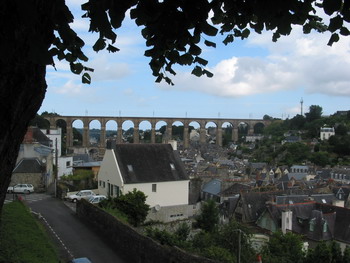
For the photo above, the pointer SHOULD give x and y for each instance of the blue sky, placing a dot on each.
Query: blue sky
(251, 78)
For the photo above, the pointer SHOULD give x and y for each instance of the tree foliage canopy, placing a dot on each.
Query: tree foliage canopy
(174, 30)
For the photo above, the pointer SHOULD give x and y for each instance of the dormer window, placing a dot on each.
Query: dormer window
(325, 226)
(130, 169)
(172, 166)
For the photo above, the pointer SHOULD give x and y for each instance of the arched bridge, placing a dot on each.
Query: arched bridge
(153, 121)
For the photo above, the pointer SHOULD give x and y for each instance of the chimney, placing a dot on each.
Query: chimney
(286, 221)
(173, 144)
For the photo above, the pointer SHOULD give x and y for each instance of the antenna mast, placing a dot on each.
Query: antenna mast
(301, 106)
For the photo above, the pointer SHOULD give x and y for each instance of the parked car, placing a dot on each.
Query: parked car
(85, 194)
(96, 199)
(21, 188)
(80, 260)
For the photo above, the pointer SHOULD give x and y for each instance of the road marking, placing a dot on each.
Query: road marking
(55, 234)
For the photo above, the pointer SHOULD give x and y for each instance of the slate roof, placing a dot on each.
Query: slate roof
(323, 174)
(88, 164)
(213, 187)
(30, 165)
(34, 134)
(82, 158)
(342, 222)
(236, 188)
(145, 163)
(304, 214)
(293, 199)
(254, 203)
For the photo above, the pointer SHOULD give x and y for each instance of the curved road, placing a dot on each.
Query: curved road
(76, 238)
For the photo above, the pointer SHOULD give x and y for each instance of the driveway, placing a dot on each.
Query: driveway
(75, 238)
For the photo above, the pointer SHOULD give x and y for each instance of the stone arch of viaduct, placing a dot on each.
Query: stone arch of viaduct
(153, 120)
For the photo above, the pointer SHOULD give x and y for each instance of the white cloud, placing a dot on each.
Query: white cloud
(293, 62)
(69, 88)
(106, 70)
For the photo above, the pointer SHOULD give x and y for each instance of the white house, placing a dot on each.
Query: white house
(326, 132)
(65, 163)
(154, 169)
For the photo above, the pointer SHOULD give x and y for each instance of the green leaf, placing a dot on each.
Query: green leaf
(334, 38)
(208, 73)
(331, 6)
(89, 69)
(201, 61)
(245, 33)
(82, 56)
(86, 79)
(112, 49)
(76, 68)
(159, 78)
(197, 71)
(185, 59)
(228, 39)
(195, 50)
(70, 58)
(344, 31)
(335, 23)
(209, 29)
(53, 51)
(209, 43)
(99, 45)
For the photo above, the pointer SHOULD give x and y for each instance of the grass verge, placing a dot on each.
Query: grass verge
(23, 238)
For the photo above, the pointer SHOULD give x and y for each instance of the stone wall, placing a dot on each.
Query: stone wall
(36, 179)
(131, 245)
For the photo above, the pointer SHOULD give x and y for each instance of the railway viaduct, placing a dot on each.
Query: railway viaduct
(153, 121)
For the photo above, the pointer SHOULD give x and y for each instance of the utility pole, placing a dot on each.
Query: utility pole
(239, 247)
(56, 163)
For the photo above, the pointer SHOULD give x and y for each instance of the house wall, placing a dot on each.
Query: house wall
(54, 134)
(266, 222)
(167, 193)
(173, 213)
(65, 166)
(109, 174)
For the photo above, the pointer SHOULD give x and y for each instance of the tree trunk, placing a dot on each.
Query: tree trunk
(22, 76)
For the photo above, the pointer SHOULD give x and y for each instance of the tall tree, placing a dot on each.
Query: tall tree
(34, 31)
(209, 216)
(315, 112)
(284, 248)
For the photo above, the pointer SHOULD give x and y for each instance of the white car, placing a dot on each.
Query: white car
(21, 188)
(85, 194)
(96, 199)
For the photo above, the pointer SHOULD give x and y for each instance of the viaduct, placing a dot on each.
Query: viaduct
(153, 121)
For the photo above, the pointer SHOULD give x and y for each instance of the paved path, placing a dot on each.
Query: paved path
(75, 238)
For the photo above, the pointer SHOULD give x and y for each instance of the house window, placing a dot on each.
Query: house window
(154, 187)
(325, 225)
(100, 182)
(68, 164)
(130, 169)
(116, 190)
(312, 224)
(112, 188)
(172, 166)
(104, 184)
